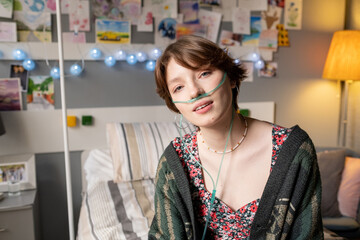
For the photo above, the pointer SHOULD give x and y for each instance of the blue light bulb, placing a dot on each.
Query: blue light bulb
(141, 56)
(28, 64)
(110, 61)
(95, 53)
(259, 64)
(120, 55)
(155, 53)
(150, 65)
(237, 61)
(19, 54)
(55, 73)
(75, 69)
(255, 57)
(131, 59)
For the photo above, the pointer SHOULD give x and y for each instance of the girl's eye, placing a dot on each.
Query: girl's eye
(205, 74)
(178, 88)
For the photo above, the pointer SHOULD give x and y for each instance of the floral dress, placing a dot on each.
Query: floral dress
(224, 223)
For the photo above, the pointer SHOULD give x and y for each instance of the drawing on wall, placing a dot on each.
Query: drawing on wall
(112, 31)
(293, 14)
(10, 94)
(279, 3)
(163, 8)
(38, 6)
(8, 32)
(268, 39)
(269, 70)
(40, 95)
(33, 27)
(190, 29)
(241, 20)
(212, 22)
(117, 10)
(18, 71)
(146, 23)
(229, 39)
(6, 8)
(255, 29)
(271, 17)
(190, 11)
(74, 38)
(79, 16)
(283, 36)
(165, 31)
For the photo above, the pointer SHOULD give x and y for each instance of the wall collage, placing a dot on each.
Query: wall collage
(260, 24)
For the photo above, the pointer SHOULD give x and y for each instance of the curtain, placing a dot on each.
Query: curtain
(353, 126)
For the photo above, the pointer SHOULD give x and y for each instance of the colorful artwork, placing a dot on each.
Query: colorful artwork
(253, 38)
(210, 2)
(269, 70)
(253, 5)
(241, 20)
(145, 23)
(10, 94)
(37, 6)
(128, 10)
(190, 11)
(8, 32)
(269, 39)
(6, 8)
(190, 29)
(74, 38)
(271, 17)
(40, 95)
(293, 14)
(165, 31)
(18, 71)
(283, 36)
(163, 8)
(79, 16)
(19, 168)
(229, 39)
(112, 31)
(212, 22)
(33, 27)
(279, 3)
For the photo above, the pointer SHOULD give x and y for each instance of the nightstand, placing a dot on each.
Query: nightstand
(18, 216)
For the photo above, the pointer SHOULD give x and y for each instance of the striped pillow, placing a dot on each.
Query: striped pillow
(120, 211)
(137, 147)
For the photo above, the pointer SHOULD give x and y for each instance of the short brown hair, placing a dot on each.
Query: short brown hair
(195, 52)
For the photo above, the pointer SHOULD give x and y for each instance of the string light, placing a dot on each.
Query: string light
(76, 69)
(110, 61)
(55, 72)
(28, 64)
(19, 54)
(259, 64)
(95, 53)
(150, 65)
(141, 56)
(131, 59)
(120, 55)
(155, 53)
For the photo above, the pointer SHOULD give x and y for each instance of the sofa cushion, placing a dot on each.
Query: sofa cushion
(349, 190)
(331, 165)
(341, 224)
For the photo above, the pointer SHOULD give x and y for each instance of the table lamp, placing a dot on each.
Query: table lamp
(343, 64)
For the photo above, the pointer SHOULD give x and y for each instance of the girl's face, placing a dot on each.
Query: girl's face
(185, 84)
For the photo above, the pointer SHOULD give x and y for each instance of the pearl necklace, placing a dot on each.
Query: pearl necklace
(233, 148)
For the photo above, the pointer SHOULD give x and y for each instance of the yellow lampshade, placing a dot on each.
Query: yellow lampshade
(343, 59)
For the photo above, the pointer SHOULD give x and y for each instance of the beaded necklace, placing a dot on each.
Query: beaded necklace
(231, 149)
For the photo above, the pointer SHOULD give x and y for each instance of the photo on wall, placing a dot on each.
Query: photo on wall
(6, 8)
(40, 95)
(18, 71)
(10, 94)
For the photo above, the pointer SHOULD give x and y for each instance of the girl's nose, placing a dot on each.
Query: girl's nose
(195, 90)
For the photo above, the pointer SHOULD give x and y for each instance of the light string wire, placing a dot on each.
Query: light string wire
(218, 175)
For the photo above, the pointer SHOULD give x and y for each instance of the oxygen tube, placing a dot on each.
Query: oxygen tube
(197, 162)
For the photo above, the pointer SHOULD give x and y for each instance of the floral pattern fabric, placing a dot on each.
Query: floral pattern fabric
(225, 223)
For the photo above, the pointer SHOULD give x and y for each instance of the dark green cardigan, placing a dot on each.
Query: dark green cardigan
(289, 207)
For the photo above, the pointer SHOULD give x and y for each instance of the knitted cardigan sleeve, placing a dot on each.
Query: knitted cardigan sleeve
(170, 221)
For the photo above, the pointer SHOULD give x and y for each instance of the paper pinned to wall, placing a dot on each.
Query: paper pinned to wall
(271, 17)
(241, 20)
(212, 22)
(253, 38)
(79, 15)
(269, 39)
(163, 8)
(165, 31)
(293, 14)
(225, 9)
(40, 94)
(269, 70)
(8, 32)
(253, 5)
(6, 8)
(146, 21)
(249, 66)
(190, 10)
(10, 94)
(71, 37)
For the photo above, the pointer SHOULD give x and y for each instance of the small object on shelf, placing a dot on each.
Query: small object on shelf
(71, 121)
(87, 120)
